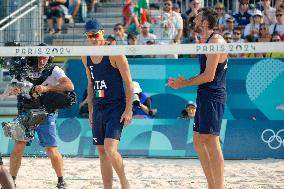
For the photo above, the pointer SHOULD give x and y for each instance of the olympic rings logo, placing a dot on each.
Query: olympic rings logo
(132, 50)
(274, 141)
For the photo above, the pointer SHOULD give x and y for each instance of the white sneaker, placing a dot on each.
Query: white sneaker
(71, 22)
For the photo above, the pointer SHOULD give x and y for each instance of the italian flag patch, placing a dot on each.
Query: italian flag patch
(100, 93)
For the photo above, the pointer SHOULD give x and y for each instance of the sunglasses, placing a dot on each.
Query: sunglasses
(279, 14)
(190, 109)
(117, 29)
(94, 35)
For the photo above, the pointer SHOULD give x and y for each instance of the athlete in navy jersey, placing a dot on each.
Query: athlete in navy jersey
(110, 106)
(211, 98)
(106, 82)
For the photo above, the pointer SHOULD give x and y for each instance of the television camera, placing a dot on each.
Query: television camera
(33, 108)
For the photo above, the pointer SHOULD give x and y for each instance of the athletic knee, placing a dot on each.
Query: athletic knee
(110, 150)
(205, 139)
(101, 150)
(53, 153)
(198, 141)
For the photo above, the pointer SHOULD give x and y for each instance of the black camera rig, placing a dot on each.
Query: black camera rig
(33, 108)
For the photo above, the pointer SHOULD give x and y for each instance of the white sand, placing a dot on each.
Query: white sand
(147, 173)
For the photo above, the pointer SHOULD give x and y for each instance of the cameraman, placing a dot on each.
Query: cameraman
(5, 178)
(56, 81)
(141, 103)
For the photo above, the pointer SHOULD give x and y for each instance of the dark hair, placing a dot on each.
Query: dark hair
(42, 44)
(184, 113)
(244, 1)
(279, 10)
(154, 6)
(50, 58)
(210, 15)
(227, 33)
(251, 38)
(110, 37)
(275, 34)
(150, 42)
(237, 28)
(118, 24)
(131, 36)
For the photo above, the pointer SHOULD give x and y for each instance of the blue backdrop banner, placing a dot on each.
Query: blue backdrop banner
(252, 127)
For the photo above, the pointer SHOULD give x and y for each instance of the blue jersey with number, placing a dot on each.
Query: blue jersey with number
(216, 89)
(106, 81)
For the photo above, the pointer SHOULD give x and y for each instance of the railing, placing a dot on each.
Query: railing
(23, 25)
(9, 6)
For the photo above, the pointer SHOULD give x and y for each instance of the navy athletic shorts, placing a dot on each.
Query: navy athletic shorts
(208, 116)
(106, 122)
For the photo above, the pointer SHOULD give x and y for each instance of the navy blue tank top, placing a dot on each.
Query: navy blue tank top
(107, 82)
(216, 89)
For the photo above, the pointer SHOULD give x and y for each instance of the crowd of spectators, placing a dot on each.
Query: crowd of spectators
(166, 24)
(57, 11)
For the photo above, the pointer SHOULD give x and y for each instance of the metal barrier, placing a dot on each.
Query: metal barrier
(23, 25)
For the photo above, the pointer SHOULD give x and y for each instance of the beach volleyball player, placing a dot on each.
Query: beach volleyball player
(211, 98)
(110, 106)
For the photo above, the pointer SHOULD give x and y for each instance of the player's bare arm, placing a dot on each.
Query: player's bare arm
(121, 63)
(90, 90)
(64, 84)
(205, 77)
